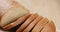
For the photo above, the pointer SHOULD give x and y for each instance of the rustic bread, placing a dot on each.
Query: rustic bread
(32, 23)
(40, 25)
(13, 13)
(17, 22)
(29, 27)
(27, 22)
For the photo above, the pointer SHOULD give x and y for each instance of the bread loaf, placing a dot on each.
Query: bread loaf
(27, 22)
(29, 27)
(17, 22)
(40, 25)
(13, 13)
(33, 23)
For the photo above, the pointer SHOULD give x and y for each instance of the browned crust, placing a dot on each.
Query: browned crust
(33, 24)
(0, 20)
(19, 21)
(27, 22)
(40, 25)
(0, 15)
(50, 27)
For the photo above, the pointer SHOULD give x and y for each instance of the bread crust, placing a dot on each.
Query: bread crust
(33, 24)
(15, 23)
(27, 22)
(50, 27)
(40, 25)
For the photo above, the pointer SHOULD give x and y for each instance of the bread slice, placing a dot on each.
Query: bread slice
(33, 24)
(40, 25)
(27, 22)
(19, 21)
(50, 27)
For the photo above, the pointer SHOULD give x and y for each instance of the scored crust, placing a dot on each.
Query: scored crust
(50, 27)
(40, 25)
(15, 23)
(27, 22)
(33, 24)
